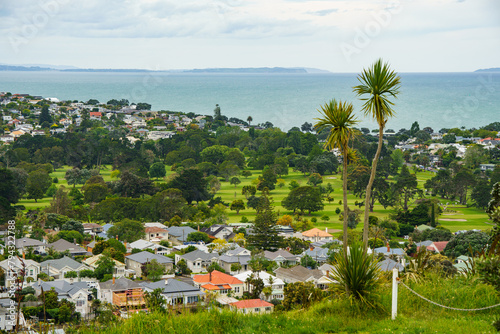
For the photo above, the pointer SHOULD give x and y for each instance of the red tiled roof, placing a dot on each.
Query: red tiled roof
(251, 303)
(155, 229)
(316, 232)
(210, 286)
(440, 245)
(218, 278)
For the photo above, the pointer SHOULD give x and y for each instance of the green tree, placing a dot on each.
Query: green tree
(481, 194)
(155, 302)
(157, 170)
(265, 233)
(461, 243)
(237, 205)
(45, 115)
(305, 198)
(406, 186)
(248, 191)
(308, 262)
(379, 83)
(235, 181)
(153, 271)
(8, 186)
(267, 180)
(105, 267)
(127, 230)
(192, 184)
(295, 295)
(198, 236)
(315, 179)
(339, 118)
(37, 184)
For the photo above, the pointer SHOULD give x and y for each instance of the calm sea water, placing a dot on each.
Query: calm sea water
(433, 99)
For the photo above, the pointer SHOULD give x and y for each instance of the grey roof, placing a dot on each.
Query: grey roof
(242, 259)
(28, 242)
(144, 257)
(318, 254)
(280, 252)
(236, 251)
(299, 273)
(120, 284)
(173, 288)
(62, 287)
(424, 243)
(392, 251)
(180, 232)
(198, 254)
(62, 245)
(61, 263)
(388, 265)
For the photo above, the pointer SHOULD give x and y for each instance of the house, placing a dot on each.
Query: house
(389, 264)
(281, 257)
(486, 167)
(463, 263)
(389, 251)
(119, 268)
(252, 306)
(277, 285)
(197, 261)
(302, 274)
(437, 246)
(58, 268)
(24, 243)
(7, 139)
(104, 233)
(144, 245)
(7, 319)
(316, 234)
(62, 245)
(178, 234)
(219, 231)
(14, 266)
(121, 292)
(176, 293)
(156, 224)
(95, 115)
(227, 261)
(155, 234)
(220, 283)
(92, 228)
(318, 254)
(75, 292)
(137, 260)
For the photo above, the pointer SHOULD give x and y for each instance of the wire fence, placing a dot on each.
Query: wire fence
(447, 307)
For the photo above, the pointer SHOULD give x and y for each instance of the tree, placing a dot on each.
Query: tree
(301, 295)
(131, 185)
(95, 192)
(286, 220)
(340, 119)
(306, 127)
(105, 268)
(127, 230)
(155, 302)
(460, 244)
(304, 198)
(267, 180)
(380, 83)
(198, 236)
(235, 181)
(71, 236)
(192, 184)
(45, 115)
(153, 270)
(249, 119)
(237, 205)
(481, 194)
(37, 184)
(308, 262)
(406, 185)
(265, 234)
(8, 186)
(157, 170)
(315, 179)
(77, 176)
(248, 191)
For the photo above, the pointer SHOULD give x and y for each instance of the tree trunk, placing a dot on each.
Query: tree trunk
(370, 184)
(344, 190)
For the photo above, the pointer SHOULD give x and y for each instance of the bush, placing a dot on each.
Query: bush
(337, 211)
(55, 180)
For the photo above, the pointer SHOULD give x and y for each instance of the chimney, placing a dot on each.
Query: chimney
(24, 255)
(125, 244)
(198, 228)
(288, 248)
(328, 273)
(388, 248)
(116, 237)
(326, 229)
(210, 276)
(311, 248)
(166, 282)
(113, 279)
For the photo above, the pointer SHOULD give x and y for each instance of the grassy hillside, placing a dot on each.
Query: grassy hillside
(463, 218)
(339, 316)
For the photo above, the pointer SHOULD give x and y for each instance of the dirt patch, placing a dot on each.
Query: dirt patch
(452, 214)
(453, 220)
(331, 178)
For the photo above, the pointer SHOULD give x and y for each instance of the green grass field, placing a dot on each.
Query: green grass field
(463, 218)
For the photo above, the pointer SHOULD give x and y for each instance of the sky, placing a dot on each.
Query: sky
(335, 35)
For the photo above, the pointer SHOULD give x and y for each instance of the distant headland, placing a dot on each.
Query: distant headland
(493, 69)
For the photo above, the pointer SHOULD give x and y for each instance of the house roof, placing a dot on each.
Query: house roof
(28, 242)
(91, 225)
(180, 232)
(299, 273)
(251, 303)
(63, 262)
(236, 251)
(16, 262)
(156, 224)
(395, 251)
(63, 287)
(262, 275)
(388, 265)
(280, 252)
(439, 245)
(241, 259)
(316, 232)
(216, 278)
(198, 254)
(120, 284)
(154, 229)
(62, 245)
(91, 261)
(145, 256)
(172, 285)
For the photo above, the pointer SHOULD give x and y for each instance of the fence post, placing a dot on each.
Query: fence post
(395, 274)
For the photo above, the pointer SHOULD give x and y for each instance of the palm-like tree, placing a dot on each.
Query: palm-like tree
(378, 84)
(340, 119)
(249, 120)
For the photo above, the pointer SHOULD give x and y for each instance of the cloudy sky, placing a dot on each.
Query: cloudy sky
(336, 35)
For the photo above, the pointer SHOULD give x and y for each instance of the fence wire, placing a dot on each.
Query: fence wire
(448, 307)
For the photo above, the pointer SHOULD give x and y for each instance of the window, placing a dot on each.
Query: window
(237, 289)
(80, 303)
(192, 299)
(31, 272)
(268, 309)
(256, 309)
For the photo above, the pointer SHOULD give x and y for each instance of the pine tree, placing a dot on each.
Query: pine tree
(265, 233)
(45, 116)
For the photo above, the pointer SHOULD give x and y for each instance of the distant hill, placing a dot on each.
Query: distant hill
(244, 70)
(493, 69)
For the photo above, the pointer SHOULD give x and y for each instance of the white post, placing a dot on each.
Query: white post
(395, 274)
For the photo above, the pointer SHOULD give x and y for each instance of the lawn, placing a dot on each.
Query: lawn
(460, 219)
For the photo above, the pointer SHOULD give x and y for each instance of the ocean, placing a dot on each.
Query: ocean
(438, 100)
